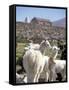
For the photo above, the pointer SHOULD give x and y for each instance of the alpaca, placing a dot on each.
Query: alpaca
(48, 70)
(60, 67)
(53, 66)
(33, 62)
(55, 49)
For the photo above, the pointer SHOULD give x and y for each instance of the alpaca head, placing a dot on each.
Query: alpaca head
(43, 46)
(45, 43)
(55, 48)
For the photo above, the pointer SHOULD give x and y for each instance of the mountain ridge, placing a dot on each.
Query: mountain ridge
(60, 23)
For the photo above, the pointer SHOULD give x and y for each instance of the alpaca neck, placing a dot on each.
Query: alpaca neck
(56, 55)
(42, 50)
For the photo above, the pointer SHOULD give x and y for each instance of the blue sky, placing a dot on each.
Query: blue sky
(46, 13)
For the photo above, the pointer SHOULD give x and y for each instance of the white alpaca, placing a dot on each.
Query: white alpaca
(55, 50)
(33, 62)
(59, 67)
(48, 70)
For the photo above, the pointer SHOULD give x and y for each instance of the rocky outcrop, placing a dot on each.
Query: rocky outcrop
(41, 29)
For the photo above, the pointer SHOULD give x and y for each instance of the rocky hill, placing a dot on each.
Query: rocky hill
(38, 30)
(60, 23)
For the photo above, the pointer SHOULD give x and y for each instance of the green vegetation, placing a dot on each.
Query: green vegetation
(20, 50)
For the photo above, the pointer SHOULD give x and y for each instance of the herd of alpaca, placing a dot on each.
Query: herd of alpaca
(38, 65)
